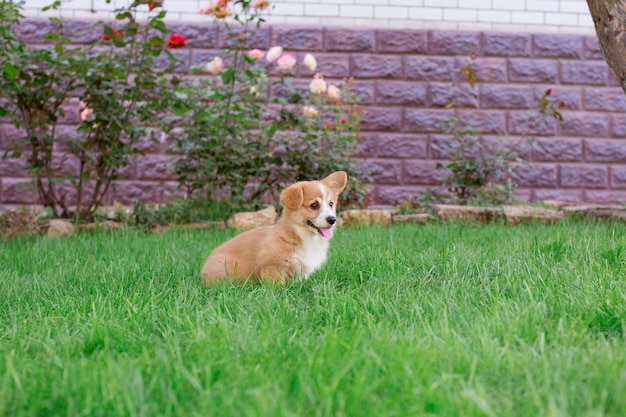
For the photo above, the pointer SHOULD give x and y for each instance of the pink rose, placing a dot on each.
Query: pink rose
(255, 54)
(317, 85)
(309, 62)
(216, 66)
(260, 4)
(333, 92)
(273, 53)
(86, 111)
(309, 111)
(286, 62)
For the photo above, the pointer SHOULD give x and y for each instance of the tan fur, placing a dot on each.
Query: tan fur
(287, 249)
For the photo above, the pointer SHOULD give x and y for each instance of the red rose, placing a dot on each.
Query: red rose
(176, 41)
(548, 91)
(152, 4)
(116, 35)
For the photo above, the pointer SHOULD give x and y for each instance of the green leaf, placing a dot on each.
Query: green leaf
(228, 76)
(10, 72)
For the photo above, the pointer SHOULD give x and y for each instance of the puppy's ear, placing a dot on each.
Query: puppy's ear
(292, 197)
(336, 181)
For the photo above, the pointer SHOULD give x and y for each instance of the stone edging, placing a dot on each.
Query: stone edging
(24, 222)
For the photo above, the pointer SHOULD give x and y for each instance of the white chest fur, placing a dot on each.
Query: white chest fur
(312, 255)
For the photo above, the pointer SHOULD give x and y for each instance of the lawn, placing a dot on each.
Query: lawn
(437, 320)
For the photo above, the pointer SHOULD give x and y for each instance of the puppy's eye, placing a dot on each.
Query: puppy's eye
(315, 205)
(331, 204)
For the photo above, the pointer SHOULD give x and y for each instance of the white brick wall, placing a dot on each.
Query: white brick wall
(500, 15)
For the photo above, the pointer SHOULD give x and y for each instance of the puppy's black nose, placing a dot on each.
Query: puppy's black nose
(331, 220)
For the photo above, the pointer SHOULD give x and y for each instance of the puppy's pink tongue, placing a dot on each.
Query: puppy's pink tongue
(327, 232)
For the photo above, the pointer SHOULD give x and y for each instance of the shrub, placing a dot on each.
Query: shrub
(123, 94)
(246, 129)
(478, 172)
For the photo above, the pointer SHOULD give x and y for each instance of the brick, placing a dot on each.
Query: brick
(404, 41)
(367, 144)
(584, 73)
(400, 92)
(585, 124)
(349, 40)
(146, 191)
(613, 81)
(503, 96)
(333, 65)
(13, 167)
(504, 44)
(557, 46)
(403, 146)
(514, 145)
(535, 175)
(585, 176)
(364, 91)
(559, 149)
(454, 43)
(83, 31)
(618, 125)
(592, 48)
(570, 96)
(183, 60)
(605, 197)
(9, 133)
(204, 56)
(605, 150)
(527, 123)
(154, 167)
(484, 121)
(377, 66)
(32, 31)
(559, 195)
(491, 69)
(298, 39)
(533, 71)
(172, 191)
(447, 94)
(196, 35)
(260, 38)
(384, 171)
(429, 68)
(618, 177)
(17, 191)
(604, 99)
(426, 120)
(420, 172)
(444, 147)
(392, 195)
(381, 119)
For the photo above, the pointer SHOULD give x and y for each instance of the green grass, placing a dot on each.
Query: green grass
(438, 320)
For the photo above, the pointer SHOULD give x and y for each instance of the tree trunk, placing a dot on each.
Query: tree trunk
(609, 18)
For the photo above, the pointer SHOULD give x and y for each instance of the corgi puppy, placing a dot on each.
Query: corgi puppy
(293, 247)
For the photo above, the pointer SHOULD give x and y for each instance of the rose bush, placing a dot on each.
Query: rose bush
(247, 128)
(116, 88)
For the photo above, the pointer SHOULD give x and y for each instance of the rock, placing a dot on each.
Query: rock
(418, 218)
(58, 227)
(611, 212)
(249, 220)
(22, 222)
(557, 204)
(524, 214)
(365, 217)
(105, 226)
(467, 213)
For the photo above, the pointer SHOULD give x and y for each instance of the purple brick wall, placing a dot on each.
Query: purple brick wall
(405, 79)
